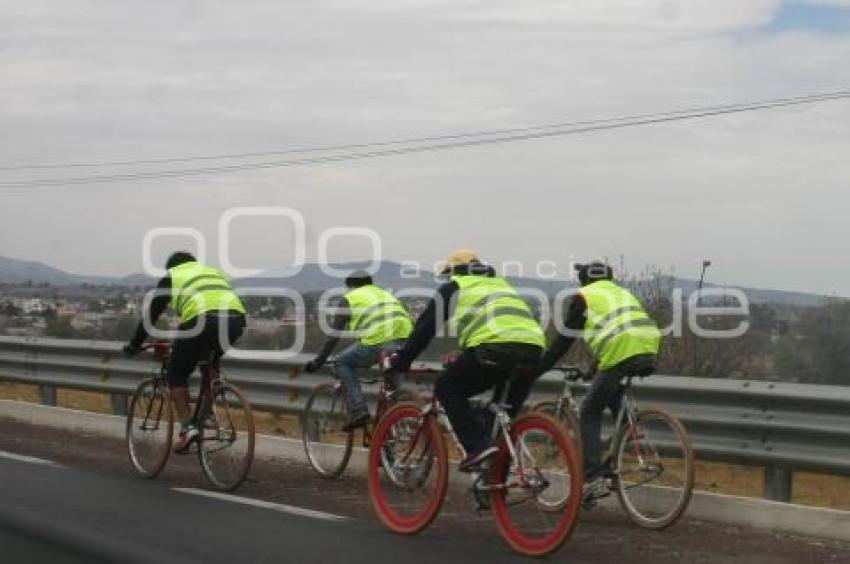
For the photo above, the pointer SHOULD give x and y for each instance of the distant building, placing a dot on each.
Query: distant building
(67, 310)
(34, 306)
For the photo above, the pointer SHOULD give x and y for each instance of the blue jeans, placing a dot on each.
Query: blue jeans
(352, 359)
(606, 391)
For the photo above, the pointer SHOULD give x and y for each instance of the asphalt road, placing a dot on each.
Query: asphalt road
(78, 502)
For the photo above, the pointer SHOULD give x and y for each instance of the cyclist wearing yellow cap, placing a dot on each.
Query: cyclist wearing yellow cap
(501, 341)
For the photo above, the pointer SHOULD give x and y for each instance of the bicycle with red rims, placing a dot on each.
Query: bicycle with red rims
(650, 454)
(536, 465)
(222, 413)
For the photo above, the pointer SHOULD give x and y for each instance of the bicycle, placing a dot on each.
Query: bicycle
(536, 461)
(650, 451)
(327, 446)
(222, 414)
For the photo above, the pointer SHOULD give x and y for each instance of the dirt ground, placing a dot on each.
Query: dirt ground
(808, 488)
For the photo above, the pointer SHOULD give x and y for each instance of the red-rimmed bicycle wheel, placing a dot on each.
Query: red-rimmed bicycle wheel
(408, 469)
(551, 469)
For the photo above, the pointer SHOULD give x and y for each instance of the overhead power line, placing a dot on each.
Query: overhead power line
(392, 148)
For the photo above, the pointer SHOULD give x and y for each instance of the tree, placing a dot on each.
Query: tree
(60, 327)
(817, 348)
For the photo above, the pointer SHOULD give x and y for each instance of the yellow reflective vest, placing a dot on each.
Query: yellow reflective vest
(617, 327)
(197, 289)
(377, 316)
(489, 310)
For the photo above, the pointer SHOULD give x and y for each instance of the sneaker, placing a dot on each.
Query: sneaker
(595, 490)
(601, 470)
(185, 439)
(473, 460)
(359, 418)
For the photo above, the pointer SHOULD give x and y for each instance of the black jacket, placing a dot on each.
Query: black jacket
(574, 320)
(338, 323)
(157, 306)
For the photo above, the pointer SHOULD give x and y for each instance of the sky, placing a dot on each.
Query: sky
(763, 195)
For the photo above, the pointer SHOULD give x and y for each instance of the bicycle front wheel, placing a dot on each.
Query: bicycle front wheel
(655, 464)
(327, 446)
(566, 416)
(408, 469)
(535, 498)
(150, 428)
(226, 447)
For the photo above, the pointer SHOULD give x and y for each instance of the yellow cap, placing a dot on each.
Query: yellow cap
(459, 257)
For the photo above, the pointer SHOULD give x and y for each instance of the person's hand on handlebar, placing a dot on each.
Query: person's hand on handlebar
(313, 365)
(394, 363)
(130, 350)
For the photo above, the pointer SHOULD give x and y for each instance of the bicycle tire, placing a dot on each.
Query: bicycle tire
(417, 469)
(230, 408)
(566, 469)
(623, 488)
(316, 438)
(151, 398)
(565, 415)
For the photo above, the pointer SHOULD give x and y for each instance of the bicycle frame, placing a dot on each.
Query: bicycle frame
(384, 397)
(626, 414)
(501, 427)
(211, 378)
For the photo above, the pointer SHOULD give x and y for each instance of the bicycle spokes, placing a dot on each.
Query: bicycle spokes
(535, 485)
(149, 429)
(408, 466)
(227, 437)
(655, 469)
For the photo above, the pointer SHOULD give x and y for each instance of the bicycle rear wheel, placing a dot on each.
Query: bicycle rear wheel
(655, 464)
(535, 499)
(327, 446)
(226, 447)
(407, 487)
(150, 428)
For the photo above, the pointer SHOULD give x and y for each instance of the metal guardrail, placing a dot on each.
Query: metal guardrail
(783, 427)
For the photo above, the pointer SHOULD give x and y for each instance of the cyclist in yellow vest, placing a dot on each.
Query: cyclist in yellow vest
(212, 318)
(501, 345)
(379, 322)
(623, 340)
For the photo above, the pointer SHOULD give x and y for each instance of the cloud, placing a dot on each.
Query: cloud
(100, 81)
(829, 3)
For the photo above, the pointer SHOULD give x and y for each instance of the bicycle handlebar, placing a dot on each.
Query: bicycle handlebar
(574, 373)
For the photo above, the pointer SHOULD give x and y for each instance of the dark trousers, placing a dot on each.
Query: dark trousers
(606, 391)
(217, 334)
(477, 370)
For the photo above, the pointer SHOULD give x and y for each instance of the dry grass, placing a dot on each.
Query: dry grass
(19, 392)
(86, 401)
(808, 488)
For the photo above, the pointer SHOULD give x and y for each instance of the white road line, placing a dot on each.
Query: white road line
(30, 459)
(264, 504)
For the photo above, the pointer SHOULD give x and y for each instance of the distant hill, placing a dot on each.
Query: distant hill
(311, 277)
(16, 271)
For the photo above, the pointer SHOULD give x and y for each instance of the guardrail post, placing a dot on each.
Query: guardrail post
(777, 483)
(47, 394)
(119, 403)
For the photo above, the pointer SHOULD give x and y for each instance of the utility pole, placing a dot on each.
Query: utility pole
(705, 264)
